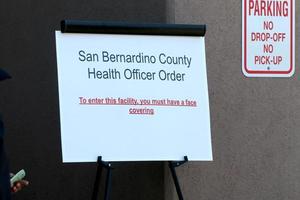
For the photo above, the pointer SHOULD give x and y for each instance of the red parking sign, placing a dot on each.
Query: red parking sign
(268, 38)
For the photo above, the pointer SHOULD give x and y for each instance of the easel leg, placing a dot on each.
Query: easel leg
(175, 179)
(98, 178)
(100, 166)
(172, 166)
(108, 184)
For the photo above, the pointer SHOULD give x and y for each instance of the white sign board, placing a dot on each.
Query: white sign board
(268, 38)
(133, 97)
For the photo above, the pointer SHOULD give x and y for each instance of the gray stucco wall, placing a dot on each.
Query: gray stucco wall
(29, 102)
(255, 121)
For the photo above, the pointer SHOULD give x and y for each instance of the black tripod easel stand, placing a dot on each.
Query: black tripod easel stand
(108, 166)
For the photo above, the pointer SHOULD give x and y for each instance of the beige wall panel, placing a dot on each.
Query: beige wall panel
(255, 121)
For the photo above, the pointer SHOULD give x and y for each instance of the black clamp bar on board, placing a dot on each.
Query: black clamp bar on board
(172, 165)
(87, 26)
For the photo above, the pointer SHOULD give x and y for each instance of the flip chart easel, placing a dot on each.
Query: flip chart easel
(96, 27)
